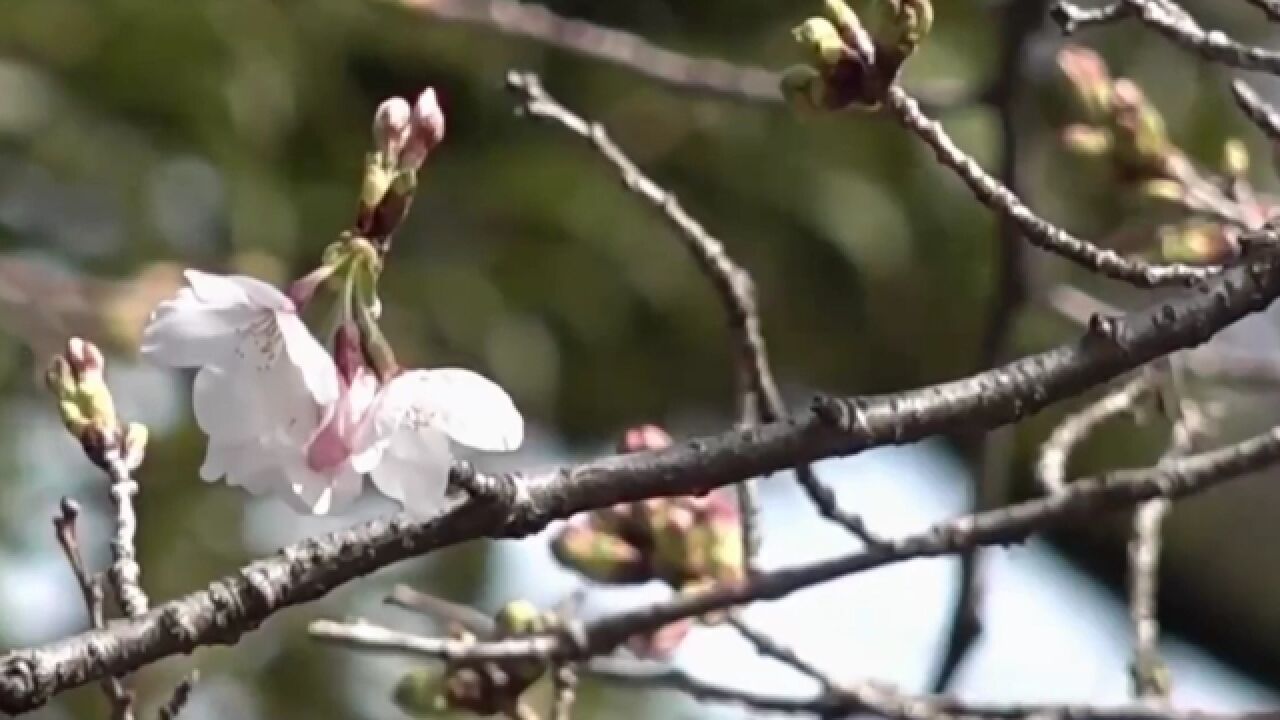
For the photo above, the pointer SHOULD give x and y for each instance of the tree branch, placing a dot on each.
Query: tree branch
(1256, 109)
(1051, 469)
(760, 398)
(1040, 232)
(1271, 8)
(1071, 17)
(520, 503)
(616, 47)
(990, 456)
(580, 641)
(125, 574)
(64, 526)
(1173, 22)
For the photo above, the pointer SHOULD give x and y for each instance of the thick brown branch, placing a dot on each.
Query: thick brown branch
(1175, 478)
(612, 46)
(517, 504)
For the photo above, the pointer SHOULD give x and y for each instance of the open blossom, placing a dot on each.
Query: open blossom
(282, 417)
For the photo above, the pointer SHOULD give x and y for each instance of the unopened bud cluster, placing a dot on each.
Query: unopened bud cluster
(485, 689)
(690, 543)
(77, 379)
(404, 136)
(1122, 127)
(852, 63)
(1119, 122)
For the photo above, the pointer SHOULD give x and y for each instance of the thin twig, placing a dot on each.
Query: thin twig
(180, 697)
(1271, 8)
(566, 692)
(1172, 21)
(769, 647)
(1071, 17)
(1151, 681)
(1040, 232)
(1150, 676)
(990, 454)
(617, 47)
(760, 399)
(65, 528)
(879, 699)
(442, 611)
(125, 574)
(1051, 468)
(1256, 109)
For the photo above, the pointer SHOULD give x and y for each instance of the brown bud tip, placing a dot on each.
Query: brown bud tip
(70, 508)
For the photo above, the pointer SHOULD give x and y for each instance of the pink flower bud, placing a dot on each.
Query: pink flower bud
(392, 127)
(427, 132)
(85, 358)
(644, 437)
(428, 118)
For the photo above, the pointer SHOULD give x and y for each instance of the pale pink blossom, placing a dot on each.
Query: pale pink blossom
(283, 418)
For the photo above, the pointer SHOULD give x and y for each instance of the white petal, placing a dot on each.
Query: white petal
(366, 460)
(226, 406)
(231, 290)
(184, 333)
(415, 471)
(248, 464)
(307, 354)
(467, 406)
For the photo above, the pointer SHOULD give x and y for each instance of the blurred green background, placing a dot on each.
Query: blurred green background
(137, 137)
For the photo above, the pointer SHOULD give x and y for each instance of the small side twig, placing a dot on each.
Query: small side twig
(64, 525)
(1270, 8)
(1173, 22)
(617, 47)
(1150, 676)
(990, 454)
(566, 691)
(125, 574)
(1040, 232)
(180, 697)
(1051, 468)
(1151, 681)
(1071, 17)
(1256, 109)
(769, 647)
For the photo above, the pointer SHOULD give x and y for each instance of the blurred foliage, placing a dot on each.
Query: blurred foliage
(137, 137)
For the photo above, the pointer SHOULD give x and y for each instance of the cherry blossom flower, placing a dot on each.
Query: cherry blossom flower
(283, 417)
(415, 416)
(264, 382)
